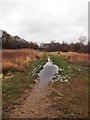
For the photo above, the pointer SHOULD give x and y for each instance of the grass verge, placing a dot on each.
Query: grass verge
(13, 87)
(70, 99)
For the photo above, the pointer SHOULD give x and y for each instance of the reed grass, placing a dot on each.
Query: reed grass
(73, 57)
(16, 60)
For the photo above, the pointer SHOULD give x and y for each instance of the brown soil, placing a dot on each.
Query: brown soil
(63, 100)
(36, 105)
(70, 100)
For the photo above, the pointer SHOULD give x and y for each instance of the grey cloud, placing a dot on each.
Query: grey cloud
(45, 20)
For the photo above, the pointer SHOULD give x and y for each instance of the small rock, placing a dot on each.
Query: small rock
(65, 80)
(22, 112)
(60, 69)
(68, 66)
(20, 106)
(26, 91)
(32, 111)
(61, 80)
(24, 98)
(79, 69)
(1, 76)
(72, 114)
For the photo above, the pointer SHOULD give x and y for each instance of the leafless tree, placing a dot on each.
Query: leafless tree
(82, 39)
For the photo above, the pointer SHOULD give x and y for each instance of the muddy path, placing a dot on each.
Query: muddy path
(37, 104)
(54, 99)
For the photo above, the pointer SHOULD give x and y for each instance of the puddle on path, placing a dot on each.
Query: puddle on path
(37, 101)
(47, 73)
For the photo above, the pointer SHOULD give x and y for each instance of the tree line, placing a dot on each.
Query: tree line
(72, 47)
(80, 46)
(15, 42)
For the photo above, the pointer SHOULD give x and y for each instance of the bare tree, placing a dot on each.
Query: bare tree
(82, 39)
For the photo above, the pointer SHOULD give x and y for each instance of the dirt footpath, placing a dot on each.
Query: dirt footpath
(36, 105)
(57, 100)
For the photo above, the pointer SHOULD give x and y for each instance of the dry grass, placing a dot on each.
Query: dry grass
(15, 60)
(73, 57)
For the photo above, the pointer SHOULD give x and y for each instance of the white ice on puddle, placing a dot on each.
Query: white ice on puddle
(60, 69)
(65, 80)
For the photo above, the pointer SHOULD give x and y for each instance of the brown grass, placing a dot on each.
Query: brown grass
(73, 57)
(14, 60)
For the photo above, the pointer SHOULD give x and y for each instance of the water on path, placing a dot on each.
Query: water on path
(37, 103)
(47, 73)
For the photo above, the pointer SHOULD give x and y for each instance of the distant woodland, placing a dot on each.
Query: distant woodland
(15, 42)
(72, 47)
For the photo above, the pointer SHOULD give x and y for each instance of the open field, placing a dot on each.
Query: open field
(16, 60)
(44, 59)
(65, 96)
(72, 57)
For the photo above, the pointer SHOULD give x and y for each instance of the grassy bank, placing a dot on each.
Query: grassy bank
(20, 82)
(72, 69)
(70, 99)
(75, 58)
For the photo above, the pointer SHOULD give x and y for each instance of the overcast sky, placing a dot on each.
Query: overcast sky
(45, 20)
